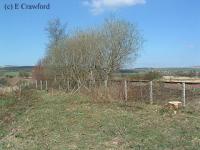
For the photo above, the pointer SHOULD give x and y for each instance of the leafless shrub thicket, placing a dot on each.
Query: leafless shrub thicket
(90, 54)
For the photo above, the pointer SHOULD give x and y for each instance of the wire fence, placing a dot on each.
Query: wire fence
(154, 92)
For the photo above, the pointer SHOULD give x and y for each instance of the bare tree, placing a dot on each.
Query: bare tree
(53, 59)
(93, 53)
(120, 40)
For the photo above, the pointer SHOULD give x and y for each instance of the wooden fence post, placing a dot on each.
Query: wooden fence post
(184, 104)
(40, 84)
(59, 87)
(52, 91)
(106, 87)
(79, 82)
(46, 85)
(68, 85)
(20, 89)
(94, 83)
(151, 92)
(106, 83)
(125, 90)
(36, 85)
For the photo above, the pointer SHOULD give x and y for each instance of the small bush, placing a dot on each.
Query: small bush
(152, 75)
(9, 76)
(3, 81)
(24, 74)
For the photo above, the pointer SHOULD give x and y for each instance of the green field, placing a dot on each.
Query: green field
(4, 73)
(40, 121)
(14, 71)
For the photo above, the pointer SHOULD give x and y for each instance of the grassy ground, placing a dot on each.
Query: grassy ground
(75, 122)
(12, 107)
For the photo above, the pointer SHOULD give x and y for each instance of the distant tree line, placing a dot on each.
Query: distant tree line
(191, 73)
(93, 53)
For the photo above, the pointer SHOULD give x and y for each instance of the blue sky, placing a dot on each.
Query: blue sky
(171, 28)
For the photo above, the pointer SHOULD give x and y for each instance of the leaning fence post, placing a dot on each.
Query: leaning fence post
(125, 90)
(41, 84)
(151, 92)
(79, 82)
(183, 94)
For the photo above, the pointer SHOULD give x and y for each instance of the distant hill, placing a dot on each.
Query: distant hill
(17, 68)
(198, 67)
(162, 70)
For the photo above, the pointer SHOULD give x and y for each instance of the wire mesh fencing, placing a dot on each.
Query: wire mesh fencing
(192, 94)
(155, 92)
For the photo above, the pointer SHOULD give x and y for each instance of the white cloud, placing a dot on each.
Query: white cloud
(99, 6)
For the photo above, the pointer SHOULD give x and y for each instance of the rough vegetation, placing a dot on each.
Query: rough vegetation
(43, 121)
